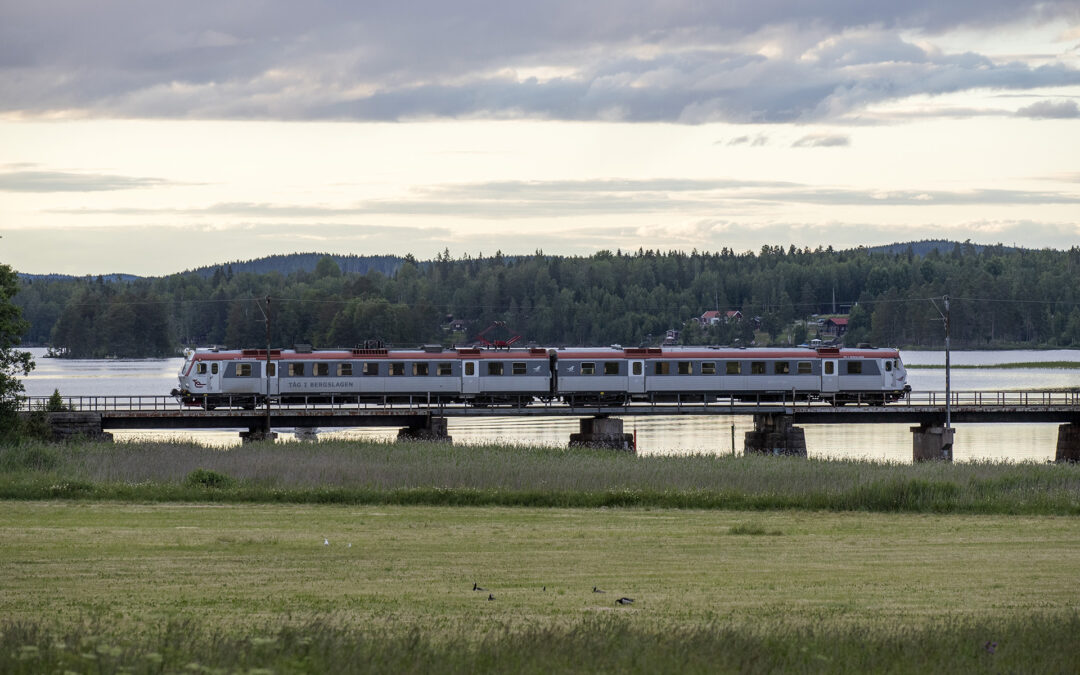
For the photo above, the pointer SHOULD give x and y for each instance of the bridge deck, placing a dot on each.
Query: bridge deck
(163, 412)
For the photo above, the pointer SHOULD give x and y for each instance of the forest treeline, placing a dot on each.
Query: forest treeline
(1000, 297)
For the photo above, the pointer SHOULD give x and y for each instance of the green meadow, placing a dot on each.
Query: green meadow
(778, 583)
(150, 558)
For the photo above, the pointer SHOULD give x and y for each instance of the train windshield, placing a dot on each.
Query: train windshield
(185, 367)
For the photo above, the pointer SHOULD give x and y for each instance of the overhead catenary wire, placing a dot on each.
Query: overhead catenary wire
(640, 308)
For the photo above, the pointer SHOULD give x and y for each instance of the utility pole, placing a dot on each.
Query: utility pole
(266, 319)
(948, 370)
(268, 365)
(948, 387)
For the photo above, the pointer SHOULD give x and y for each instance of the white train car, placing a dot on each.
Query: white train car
(577, 376)
(244, 378)
(691, 374)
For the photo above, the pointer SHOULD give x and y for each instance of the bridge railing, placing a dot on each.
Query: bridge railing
(99, 403)
(344, 404)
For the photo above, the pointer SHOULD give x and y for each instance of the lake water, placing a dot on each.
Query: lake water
(656, 435)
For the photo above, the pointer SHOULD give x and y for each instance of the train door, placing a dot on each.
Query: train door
(213, 378)
(637, 377)
(830, 376)
(271, 387)
(470, 377)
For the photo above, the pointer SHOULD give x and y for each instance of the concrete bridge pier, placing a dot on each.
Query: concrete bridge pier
(432, 429)
(602, 433)
(775, 435)
(69, 425)
(306, 433)
(931, 442)
(1068, 444)
(258, 430)
(256, 434)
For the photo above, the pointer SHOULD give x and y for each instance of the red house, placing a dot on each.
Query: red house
(836, 325)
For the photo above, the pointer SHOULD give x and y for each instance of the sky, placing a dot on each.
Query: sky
(152, 137)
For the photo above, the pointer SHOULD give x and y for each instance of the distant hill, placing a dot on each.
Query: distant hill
(923, 248)
(65, 277)
(306, 262)
(290, 263)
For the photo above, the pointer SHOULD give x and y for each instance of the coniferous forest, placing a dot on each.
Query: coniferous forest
(1000, 297)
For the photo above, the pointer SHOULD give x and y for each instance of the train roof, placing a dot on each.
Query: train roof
(467, 353)
(731, 353)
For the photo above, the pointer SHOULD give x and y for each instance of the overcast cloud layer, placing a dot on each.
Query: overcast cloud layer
(671, 61)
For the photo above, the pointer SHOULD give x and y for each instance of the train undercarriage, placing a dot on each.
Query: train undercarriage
(577, 399)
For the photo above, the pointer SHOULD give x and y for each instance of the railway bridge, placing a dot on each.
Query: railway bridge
(776, 430)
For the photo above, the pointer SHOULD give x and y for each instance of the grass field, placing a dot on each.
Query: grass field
(152, 558)
(442, 474)
(803, 590)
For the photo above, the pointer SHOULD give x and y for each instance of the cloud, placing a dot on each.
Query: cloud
(822, 141)
(500, 200)
(122, 248)
(740, 61)
(1050, 110)
(752, 141)
(24, 178)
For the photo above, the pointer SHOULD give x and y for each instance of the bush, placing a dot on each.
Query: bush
(209, 479)
(56, 403)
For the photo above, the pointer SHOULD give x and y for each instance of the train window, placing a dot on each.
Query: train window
(213, 369)
(344, 370)
(611, 367)
(243, 370)
(588, 368)
(663, 368)
(888, 366)
(519, 368)
(637, 367)
(446, 369)
(200, 369)
(470, 368)
(495, 368)
(757, 367)
(781, 367)
(708, 368)
(419, 369)
(805, 368)
(686, 368)
(371, 368)
(830, 367)
(320, 369)
(296, 370)
(397, 368)
(854, 367)
(733, 368)
(271, 369)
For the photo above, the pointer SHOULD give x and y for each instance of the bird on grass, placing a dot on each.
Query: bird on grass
(490, 596)
(325, 541)
(597, 590)
(624, 601)
(477, 588)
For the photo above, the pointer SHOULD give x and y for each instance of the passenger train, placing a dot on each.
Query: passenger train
(614, 375)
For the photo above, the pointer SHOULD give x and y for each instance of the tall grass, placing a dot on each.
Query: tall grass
(443, 474)
(603, 644)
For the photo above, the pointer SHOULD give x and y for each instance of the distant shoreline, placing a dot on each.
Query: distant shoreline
(1065, 365)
